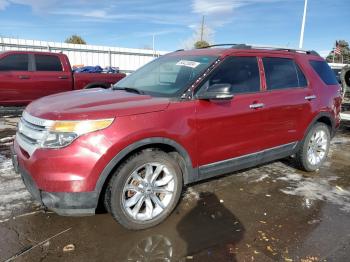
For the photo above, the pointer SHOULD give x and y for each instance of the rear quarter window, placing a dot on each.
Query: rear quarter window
(47, 63)
(324, 72)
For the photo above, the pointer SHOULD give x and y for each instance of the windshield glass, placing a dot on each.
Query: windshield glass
(167, 76)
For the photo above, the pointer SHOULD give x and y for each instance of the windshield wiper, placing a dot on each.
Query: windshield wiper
(130, 90)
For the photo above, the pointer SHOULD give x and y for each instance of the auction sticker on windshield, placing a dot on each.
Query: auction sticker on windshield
(188, 63)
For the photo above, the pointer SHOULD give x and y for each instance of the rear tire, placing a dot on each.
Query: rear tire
(144, 190)
(314, 148)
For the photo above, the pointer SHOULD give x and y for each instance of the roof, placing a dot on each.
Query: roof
(28, 52)
(217, 50)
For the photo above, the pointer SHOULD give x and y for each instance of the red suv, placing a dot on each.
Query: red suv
(185, 117)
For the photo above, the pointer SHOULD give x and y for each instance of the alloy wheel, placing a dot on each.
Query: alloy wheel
(317, 147)
(148, 191)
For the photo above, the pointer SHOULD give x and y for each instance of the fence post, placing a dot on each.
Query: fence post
(110, 57)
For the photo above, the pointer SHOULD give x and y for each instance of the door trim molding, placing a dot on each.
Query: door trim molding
(245, 161)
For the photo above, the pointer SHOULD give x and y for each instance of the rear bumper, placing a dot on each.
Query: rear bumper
(62, 203)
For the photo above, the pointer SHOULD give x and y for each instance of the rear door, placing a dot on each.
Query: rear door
(288, 101)
(229, 129)
(49, 76)
(15, 83)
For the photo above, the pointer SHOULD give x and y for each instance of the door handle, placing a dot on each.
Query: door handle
(63, 77)
(23, 77)
(257, 105)
(310, 97)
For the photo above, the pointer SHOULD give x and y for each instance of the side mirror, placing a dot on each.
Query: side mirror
(217, 92)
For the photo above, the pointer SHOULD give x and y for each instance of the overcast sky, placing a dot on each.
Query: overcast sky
(131, 23)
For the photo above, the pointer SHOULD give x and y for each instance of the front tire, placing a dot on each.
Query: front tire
(314, 148)
(144, 190)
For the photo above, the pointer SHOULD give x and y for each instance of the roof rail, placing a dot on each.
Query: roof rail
(265, 47)
(283, 48)
(209, 46)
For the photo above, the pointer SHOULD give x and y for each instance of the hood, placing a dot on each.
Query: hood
(94, 104)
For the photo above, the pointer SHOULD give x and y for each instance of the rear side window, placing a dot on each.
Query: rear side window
(47, 63)
(324, 72)
(15, 62)
(283, 73)
(241, 72)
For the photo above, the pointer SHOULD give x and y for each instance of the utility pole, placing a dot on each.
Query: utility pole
(202, 28)
(301, 42)
(154, 51)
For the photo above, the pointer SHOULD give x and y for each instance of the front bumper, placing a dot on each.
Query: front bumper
(62, 203)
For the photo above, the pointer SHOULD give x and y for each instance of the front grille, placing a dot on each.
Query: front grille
(31, 132)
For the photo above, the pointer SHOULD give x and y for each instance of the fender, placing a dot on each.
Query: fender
(329, 116)
(190, 174)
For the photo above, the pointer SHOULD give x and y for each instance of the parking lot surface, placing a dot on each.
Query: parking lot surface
(273, 212)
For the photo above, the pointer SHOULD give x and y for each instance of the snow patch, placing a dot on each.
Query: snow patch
(317, 188)
(340, 140)
(13, 193)
(291, 177)
(7, 139)
(191, 194)
(261, 178)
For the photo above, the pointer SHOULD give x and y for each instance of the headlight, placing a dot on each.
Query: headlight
(63, 133)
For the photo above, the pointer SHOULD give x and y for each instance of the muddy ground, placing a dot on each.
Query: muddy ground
(270, 213)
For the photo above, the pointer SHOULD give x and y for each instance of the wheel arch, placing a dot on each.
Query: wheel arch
(96, 84)
(326, 118)
(164, 144)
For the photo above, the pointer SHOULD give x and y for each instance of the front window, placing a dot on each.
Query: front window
(14, 62)
(242, 73)
(167, 76)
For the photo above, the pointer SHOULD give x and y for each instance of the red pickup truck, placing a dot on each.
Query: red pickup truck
(26, 76)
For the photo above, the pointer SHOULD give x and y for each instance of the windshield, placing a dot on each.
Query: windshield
(167, 76)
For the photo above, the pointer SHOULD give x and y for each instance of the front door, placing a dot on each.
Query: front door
(230, 129)
(15, 82)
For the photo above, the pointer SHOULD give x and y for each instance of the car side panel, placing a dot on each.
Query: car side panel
(286, 115)
(15, 88)
(228, 129)
(82, 80)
